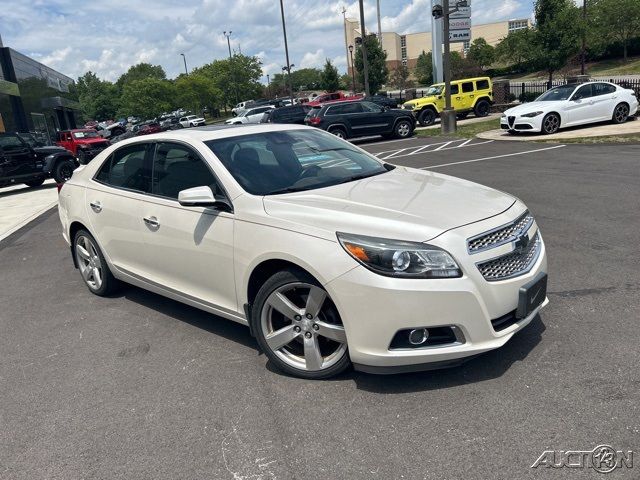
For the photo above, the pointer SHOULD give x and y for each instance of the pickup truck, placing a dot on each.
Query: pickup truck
(333, 97)
(22, 163)
(84, 143)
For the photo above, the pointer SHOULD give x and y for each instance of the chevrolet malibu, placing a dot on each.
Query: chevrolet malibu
(330, 256)
(572, 105)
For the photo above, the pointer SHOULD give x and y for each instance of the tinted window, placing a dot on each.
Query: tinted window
(467, 87)
(482, 84)
(583, 92)
(335, 110)
(371, 107)
(176, 168)
(558, 93)
(277, 162)
(127, 168)
(454, 89)
(603, 88)
(11, 143)
(352, 108)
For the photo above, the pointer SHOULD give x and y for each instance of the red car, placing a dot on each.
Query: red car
(333, 97)
(149, 128)
(83, 143)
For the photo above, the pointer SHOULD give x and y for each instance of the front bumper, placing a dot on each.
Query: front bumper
(516, 123)
(374, 308)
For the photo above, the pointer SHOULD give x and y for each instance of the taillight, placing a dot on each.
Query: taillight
(315, 120)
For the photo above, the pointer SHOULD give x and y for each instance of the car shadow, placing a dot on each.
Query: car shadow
(25, 189)
(487, 366)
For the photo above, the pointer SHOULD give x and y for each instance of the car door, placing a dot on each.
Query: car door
(188, 249)
(581, 106)
(466, 95)
(18, 159)
(114, 205)
(605, 99)
(377, 118)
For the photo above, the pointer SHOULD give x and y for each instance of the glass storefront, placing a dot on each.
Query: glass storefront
(35, 98)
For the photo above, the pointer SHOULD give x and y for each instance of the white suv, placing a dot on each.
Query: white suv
(192, 121)
(331, 256)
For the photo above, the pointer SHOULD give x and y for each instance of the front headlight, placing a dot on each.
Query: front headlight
(396, 258)
(532, 114)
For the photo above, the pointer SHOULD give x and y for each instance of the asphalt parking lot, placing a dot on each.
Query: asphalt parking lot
(139, 386)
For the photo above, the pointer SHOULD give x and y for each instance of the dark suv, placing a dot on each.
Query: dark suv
(360, 119)
(22, 163)
(290, 114)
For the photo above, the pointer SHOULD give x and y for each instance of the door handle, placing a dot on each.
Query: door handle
(152, 222)
(96, 206)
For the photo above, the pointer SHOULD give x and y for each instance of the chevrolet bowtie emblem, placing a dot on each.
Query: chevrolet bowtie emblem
(521, 243)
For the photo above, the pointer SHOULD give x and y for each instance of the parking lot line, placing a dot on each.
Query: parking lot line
(492, 157)
(444, 146)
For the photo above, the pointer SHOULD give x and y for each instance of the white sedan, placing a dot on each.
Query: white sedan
(253, 115)
(192, 121)
(572, 105)
(331, 256)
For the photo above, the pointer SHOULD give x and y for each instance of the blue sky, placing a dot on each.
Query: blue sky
(109, 36)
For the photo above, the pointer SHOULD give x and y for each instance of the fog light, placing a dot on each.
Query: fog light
(418, 336)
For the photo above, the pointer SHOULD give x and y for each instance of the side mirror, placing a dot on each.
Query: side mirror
(203, 197)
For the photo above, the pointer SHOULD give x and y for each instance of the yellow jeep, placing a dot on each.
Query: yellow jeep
(467, 95)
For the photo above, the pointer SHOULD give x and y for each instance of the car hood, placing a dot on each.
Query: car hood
(91, 141)
(404, 204)
(48, 150)
(534, 107)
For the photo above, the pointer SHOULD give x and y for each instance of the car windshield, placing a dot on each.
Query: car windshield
(85, 134)
(557, 93)
(270, 163)
(434, 90)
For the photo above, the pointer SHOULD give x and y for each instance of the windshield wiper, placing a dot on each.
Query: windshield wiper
(287, 190)
(361, 176)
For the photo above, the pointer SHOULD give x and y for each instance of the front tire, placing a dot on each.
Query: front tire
(93, 267)
(620, 113)
(427, 117)
(35, 183)
(403, 129)
(550, 123)
(63, 170)
(298, 326)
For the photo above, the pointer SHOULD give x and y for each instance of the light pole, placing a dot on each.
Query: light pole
(353, 71)
(363, 33)
(286, 52)
(584, 37)
(268, 87)
(228, 34)
(287, 68)
(185, 64)
(231, 69)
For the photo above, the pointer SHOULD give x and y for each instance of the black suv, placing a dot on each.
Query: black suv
(22, 163)
(290, 114)
(360, 119)
(383, 101)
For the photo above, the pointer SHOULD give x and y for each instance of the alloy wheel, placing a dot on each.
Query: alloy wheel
(621, 114)
(301, 326)
(338, 133)
(89, 262)
(403, 130)
(551, 124)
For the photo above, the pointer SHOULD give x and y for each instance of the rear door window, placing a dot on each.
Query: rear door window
(467, 87)
(603, 89)
(129, 168)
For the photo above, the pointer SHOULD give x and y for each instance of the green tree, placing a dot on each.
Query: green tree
(399, 77)
(424, 68)
(147, 97)
(376, 59)
(196, 91)
(306, 79)
(238, 78)
(98, 99)
(329, 78)
(517, 47)
(616, 21)
(139, 72)
(346, 82)
(556, 35)
(481, 52)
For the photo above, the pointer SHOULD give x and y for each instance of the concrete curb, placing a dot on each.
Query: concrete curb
(26, 221)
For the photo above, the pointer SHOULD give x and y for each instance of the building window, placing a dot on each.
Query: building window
(515, 25)
(404, 62)
(403, 53)
(465, 46)
(403, 40)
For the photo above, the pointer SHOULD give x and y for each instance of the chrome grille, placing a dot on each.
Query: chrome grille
(501, 235)
(512, 264)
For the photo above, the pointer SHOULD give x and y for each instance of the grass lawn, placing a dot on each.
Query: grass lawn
(464, 131)
(631, 138)
(603, 68)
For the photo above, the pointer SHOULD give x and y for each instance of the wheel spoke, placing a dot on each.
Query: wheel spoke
(97, 277)
(333, 332)
(315, 300)
(82, 252)
(278, 339)
(282, 304)
(312, 355)
(85, 271)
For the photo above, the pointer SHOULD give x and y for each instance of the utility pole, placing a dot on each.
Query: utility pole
(231, 69)
(286, 52)
(363, 33)
(344, 20)
(584, 37)
(379, 24)
(353, 70)
(268, 87)
(448, 115)
(186, 72)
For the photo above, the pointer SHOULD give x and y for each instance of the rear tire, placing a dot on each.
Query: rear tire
(620, 113)
(427, 117)
(298, 326)
(482, 108)
(338, 132)
(35, 183)
(93, 267)
(63, 170)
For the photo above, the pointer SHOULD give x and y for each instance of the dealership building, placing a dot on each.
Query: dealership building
(405, 48)
(33, 97)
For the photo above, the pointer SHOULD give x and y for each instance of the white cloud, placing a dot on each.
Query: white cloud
(108, 37)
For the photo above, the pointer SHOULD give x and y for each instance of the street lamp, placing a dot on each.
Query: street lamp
(185, 64)
(286, 52)
(353, 70)
(268, 87)
(228, 34)
(231, 69)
